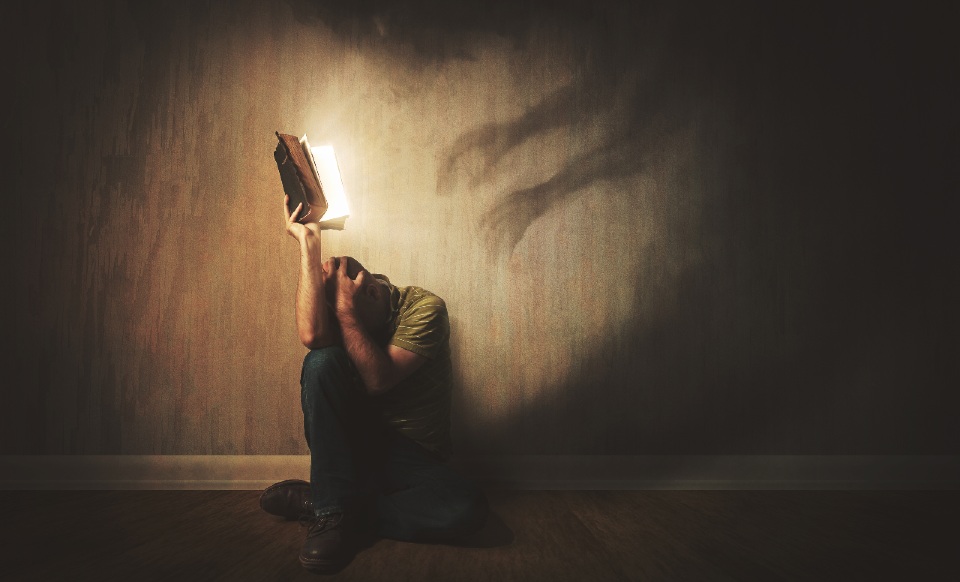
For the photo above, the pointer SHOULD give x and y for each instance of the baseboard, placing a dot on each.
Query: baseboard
(150, 471)
(580, 472)
(813, 472)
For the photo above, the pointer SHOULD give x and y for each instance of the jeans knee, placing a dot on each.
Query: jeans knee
(320, 359)
(325, 369)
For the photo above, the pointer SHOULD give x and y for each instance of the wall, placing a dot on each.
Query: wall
(659, 229)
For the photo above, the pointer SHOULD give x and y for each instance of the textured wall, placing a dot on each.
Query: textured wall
(659, 229)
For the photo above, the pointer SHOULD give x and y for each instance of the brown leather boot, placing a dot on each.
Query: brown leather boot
(289, 499)
(326, 548)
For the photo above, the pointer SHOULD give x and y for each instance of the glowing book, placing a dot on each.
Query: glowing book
(311, 176)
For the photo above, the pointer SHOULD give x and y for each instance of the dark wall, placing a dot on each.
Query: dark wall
(660, 228)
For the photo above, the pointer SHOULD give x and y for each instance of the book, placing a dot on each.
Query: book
(311, 176)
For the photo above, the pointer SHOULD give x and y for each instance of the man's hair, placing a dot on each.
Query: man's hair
(387, 292)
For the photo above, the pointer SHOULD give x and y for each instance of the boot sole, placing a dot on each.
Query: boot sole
(323, 566)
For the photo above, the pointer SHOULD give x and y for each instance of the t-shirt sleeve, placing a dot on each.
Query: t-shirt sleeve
(423, 326)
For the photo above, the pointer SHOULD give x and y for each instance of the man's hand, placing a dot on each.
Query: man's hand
(347, 289)
(295, 229)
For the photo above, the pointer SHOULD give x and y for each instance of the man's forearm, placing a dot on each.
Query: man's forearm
(371, 361)
(315, 324)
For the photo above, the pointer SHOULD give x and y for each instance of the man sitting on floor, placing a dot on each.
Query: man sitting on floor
(375, 392)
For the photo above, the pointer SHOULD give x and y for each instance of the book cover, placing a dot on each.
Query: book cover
(311, 176)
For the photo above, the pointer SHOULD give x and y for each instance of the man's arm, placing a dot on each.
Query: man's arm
(316, 325)
(380, 369)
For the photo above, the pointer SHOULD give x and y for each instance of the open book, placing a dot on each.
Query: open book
(311, 176)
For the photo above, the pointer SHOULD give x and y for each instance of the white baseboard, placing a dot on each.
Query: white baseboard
(580, 472)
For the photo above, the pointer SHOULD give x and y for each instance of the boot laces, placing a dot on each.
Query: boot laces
(319, 524)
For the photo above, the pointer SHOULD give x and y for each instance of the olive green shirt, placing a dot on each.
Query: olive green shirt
(419, 406)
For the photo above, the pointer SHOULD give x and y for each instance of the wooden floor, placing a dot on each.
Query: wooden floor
(534, 535)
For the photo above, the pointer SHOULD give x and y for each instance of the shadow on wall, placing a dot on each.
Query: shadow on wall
(795, 332)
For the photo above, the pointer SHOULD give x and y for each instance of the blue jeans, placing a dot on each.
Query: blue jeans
(362, 468)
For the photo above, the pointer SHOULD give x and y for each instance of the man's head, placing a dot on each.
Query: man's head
(372, 302)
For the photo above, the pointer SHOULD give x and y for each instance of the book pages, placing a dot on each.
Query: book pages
(328, 172)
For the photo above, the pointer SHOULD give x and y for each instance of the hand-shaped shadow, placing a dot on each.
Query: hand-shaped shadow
(635, 135)
(493, 141)
(505, 224)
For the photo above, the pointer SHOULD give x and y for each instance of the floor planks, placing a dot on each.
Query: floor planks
(533, 535)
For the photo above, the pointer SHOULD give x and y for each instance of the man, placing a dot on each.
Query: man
(375, 393)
